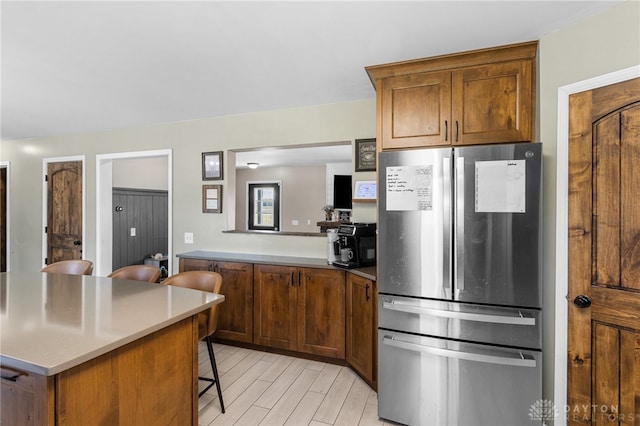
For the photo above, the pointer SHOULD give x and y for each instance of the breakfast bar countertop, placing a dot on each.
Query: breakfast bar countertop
(52, 322)
(304, 262)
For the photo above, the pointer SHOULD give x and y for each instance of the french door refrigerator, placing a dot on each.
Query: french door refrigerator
(459, 284)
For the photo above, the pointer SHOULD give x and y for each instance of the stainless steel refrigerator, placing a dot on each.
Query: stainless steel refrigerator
(459, 284)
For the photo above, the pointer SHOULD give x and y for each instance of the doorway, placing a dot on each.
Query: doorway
(105, 208)
(63, 215)
(562, 229)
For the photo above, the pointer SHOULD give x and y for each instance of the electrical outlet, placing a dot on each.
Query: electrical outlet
(294, 222)
(188, 237)
(132, 232)
(308, 221)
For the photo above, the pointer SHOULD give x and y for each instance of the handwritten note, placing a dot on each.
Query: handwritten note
(409, 188)
(501, 186)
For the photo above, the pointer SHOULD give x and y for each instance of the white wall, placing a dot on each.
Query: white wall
(604, 43)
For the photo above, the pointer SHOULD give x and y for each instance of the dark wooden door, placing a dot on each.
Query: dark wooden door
(64, 211)
(604, 256)
(3, 219)
(235, 316)
(320, 312)
(275, 289)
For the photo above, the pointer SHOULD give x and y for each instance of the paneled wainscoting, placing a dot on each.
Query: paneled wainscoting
(261, 388)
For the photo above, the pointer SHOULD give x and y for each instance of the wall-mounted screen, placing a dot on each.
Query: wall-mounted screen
(342, 192)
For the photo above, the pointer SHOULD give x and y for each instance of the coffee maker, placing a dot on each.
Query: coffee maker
(357, 245)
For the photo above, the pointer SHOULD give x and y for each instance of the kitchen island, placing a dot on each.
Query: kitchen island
(91, 350)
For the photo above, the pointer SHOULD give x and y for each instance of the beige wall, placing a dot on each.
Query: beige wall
(334, 122)
(303, 192)
(140, 173)
(601, 44)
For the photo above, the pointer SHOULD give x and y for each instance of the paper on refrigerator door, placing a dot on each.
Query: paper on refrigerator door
(500, 186)
(409, 188)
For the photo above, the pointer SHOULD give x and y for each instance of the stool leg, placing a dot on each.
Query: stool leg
(214, 368)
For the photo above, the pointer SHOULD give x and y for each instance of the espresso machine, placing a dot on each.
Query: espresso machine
(357, 245)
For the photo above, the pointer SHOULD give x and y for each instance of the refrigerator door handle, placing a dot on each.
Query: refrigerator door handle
(446, 231)
(520, 319)
(519, 360)
(459, 227)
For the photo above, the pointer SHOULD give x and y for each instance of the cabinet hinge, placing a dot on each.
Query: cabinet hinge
(46, 178)
(46, 229)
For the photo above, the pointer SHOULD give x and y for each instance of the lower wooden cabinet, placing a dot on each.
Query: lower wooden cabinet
(275, 289)
(24, 398)
(318, 311)
(150, 381)
(235, 319)
(321, 314)
(361, 336)
(300, 309)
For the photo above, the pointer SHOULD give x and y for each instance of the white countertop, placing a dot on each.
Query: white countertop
(52, 322)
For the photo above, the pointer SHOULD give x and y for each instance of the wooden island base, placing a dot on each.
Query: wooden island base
(152, 380)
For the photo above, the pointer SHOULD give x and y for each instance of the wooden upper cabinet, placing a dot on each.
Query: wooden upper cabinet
(493, 103)
(478, 97)
(415, 110)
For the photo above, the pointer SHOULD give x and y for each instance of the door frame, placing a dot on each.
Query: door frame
(104, 206)
(562, 220)
(45, 198)
(7, 206)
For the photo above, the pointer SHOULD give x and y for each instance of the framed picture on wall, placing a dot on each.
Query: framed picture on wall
(211, 198)
(212, 168)
(366, 155)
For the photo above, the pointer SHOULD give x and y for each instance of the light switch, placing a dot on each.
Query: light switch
(133, 232)
(188, 237)
(294, 222)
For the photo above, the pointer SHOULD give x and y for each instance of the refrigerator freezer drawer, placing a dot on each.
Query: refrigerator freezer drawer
(429, 381)
(462, 321)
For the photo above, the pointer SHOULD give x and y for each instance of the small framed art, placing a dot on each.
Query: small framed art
(212, 168)
(365, 155)
(211, 198)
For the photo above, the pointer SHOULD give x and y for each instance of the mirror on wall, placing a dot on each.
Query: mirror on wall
(304, 174)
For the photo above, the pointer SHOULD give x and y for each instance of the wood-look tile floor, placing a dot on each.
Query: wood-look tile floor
(261, 388)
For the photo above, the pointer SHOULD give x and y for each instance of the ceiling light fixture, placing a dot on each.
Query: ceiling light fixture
(253, 165)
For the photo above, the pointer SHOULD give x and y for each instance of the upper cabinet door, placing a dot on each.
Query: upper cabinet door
(415, 110)
(482, 96)
(492, 103)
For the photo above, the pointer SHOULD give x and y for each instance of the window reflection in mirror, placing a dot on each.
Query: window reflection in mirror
(306, 176)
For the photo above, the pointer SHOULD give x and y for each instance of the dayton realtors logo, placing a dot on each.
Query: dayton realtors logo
(545, 410)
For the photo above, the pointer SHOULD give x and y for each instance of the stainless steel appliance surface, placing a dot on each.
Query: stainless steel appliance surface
(459, 284)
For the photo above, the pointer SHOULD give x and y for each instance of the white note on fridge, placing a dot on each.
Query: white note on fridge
(500, 186)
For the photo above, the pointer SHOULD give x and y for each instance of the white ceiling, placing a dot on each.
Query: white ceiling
(85, 66)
